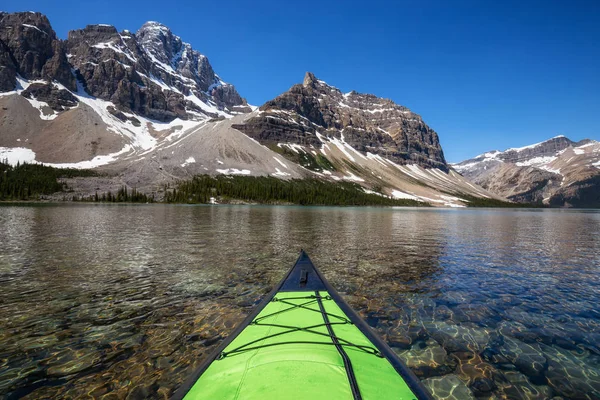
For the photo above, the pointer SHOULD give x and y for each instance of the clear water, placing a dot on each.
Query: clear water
(122, 300)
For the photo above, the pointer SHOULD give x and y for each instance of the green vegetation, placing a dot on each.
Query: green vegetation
(34, 181)
(270, 190)
(307, 160)
(30, 181)
(123, 195)
(354, 168)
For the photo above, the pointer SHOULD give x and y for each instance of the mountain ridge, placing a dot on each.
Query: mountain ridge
(557, 172)
(312, 110)
(149, 110)
(122, 67)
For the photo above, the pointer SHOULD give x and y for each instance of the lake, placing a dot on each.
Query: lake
(124, 301)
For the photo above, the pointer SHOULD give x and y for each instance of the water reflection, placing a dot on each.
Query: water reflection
(127, 300)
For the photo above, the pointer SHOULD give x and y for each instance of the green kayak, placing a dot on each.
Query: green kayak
(303, 342)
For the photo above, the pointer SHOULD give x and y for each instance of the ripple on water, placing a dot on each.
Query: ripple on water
(126, 301)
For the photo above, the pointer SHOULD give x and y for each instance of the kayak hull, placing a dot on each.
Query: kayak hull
(303, 342)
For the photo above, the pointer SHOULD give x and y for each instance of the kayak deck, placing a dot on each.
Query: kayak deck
(287, 352)
(303, 343)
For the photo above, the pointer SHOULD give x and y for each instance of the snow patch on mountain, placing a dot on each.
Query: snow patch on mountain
(397, 194)
(234, 171)
(190, 160)
(22, 155)
(536, 161)
(532, 146)
(16, 155)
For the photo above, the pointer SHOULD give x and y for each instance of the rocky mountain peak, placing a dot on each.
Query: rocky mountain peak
(527, 154)
(159, 41)
(309, 80)
(31, 50)
(101, 28)
(152, 73)
(364, 121)
(27, 20)
(543, 149)
(154, 25)
(172, 57)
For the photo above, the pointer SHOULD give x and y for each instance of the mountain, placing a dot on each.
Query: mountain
(310, 132)
(100, 93)
(152, 73)
(314, 113)
(557, 172)
(149, 110)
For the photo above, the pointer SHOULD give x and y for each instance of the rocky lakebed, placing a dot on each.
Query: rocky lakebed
(124, 302)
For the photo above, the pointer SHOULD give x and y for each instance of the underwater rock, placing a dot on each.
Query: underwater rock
(38, 342)
(443, 313)
(448, 337)
(496, 339)
(399, 340)
(527, 358)
(477, 374)
(505, 301)
(455, 298)
(429, 361)
(570, 376)
(163, 342)
(448, 387)
(529, 319)
(12, 377)
(142, 391)
(71, 361)
(516, 385)
(483, 386)
(45, 392)
(492, 355)
(511, 328)
(473, 313)
(204, 336)
(98, 314)
(89, 386)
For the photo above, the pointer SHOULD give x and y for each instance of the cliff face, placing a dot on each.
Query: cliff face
(557, 172)
(310, 111)
(31, 49)
(152, 73)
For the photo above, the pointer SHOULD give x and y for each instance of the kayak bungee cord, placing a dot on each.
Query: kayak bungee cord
(316, 298)
(343, 354)
(303, 305)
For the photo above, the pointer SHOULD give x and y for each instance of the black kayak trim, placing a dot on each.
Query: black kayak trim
(340, 349)
(304, 276)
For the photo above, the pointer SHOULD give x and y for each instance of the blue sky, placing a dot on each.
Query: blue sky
(484, 74)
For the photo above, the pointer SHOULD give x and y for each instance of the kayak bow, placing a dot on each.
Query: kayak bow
(303, 341)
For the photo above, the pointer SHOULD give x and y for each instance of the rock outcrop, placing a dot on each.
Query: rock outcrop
(57, 99)
(314, 109)
(31, 49)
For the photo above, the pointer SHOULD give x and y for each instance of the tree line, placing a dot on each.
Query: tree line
(123, 195)
(31, 181)
(34, 181)
(269, 190)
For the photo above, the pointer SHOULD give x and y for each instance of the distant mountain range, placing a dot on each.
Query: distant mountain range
(557, 172)
(149, 110)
